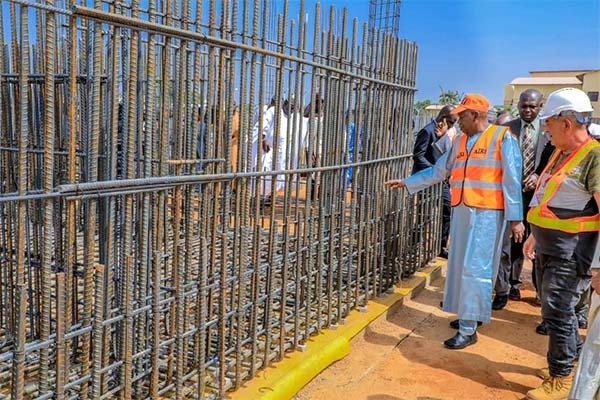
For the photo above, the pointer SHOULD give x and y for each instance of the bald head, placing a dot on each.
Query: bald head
(531, 94)
(530, 104)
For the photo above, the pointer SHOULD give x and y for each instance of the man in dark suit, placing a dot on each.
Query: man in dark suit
(532, 140)
(431, 142)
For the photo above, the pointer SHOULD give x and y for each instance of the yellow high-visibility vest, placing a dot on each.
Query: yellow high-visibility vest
(541, 215)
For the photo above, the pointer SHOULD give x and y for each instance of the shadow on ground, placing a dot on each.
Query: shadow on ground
(423, 343)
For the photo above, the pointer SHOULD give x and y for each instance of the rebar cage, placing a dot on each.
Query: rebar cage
(147, 250)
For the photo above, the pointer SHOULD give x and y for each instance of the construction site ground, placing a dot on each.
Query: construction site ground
(400, 356)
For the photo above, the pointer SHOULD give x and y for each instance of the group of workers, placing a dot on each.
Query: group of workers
(286, 139)
(293, 138)
(522, 188)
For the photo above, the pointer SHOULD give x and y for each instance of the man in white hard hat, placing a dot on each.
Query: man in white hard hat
(564, 222)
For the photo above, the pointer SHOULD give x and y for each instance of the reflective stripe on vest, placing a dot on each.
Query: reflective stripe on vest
(542, 216)
(476, 176)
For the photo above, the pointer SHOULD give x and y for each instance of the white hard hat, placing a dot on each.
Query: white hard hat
(566, 99)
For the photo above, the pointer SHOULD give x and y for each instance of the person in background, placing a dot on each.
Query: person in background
(235, 138)
(484, 167)
(313, 157)
(431, 142)
(279, 136)
(292, 142)
(350, 132)
(261, 157)
(530, 132)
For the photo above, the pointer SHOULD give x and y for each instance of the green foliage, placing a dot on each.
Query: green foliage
(421, 105)
(511, 109)
(448, 97)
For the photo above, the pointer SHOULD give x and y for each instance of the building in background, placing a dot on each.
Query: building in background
(549, 81)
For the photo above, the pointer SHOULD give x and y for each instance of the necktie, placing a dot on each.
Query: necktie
(528, 151)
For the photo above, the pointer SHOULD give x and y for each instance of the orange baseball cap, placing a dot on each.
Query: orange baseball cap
(473, 102)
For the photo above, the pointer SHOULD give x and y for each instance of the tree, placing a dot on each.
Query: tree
(449, 97)
(421, 105)
(511, 109)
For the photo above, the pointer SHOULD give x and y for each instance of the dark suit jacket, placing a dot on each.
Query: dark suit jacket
(543, 151)
(548, 150)
(424, 153)
(515, 128)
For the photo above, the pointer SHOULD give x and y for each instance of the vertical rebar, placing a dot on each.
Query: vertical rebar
(171, 286)
(60, 336)
(98, 333)
(18, 369)
(49, 122)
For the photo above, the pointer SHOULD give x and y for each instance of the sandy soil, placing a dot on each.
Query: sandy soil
(401, 356)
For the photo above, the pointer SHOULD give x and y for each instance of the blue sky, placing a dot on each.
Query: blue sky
(479, 45)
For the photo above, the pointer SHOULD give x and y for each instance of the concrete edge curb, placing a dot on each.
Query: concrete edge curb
(284, 379)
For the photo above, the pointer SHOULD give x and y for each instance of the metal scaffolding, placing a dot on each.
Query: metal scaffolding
(384, 16)
(145, 252)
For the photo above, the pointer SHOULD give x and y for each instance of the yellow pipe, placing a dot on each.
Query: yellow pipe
(284, 379)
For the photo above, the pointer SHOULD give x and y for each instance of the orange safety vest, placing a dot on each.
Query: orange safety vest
(476, 176)
(542, 216)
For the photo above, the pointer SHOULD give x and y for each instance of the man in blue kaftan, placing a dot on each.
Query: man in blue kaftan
(475, 232)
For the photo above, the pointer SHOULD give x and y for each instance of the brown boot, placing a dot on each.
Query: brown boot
(553, 388)
(543, 373)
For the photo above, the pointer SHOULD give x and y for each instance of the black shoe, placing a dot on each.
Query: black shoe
(499, 302)
(443, 254)
(460, 341)
(582, 322)
(514, 294)
(541, 329)
(454, 324)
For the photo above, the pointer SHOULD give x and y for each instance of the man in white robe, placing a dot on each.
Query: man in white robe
(262, 129)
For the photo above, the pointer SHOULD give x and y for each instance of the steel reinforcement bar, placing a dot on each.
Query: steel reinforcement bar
(191, 189)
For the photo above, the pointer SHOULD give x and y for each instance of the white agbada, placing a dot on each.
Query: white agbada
(265, 163)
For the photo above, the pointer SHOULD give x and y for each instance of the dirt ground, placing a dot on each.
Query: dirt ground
(400, 356)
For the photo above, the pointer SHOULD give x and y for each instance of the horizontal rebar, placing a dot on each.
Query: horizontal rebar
(190, 190)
